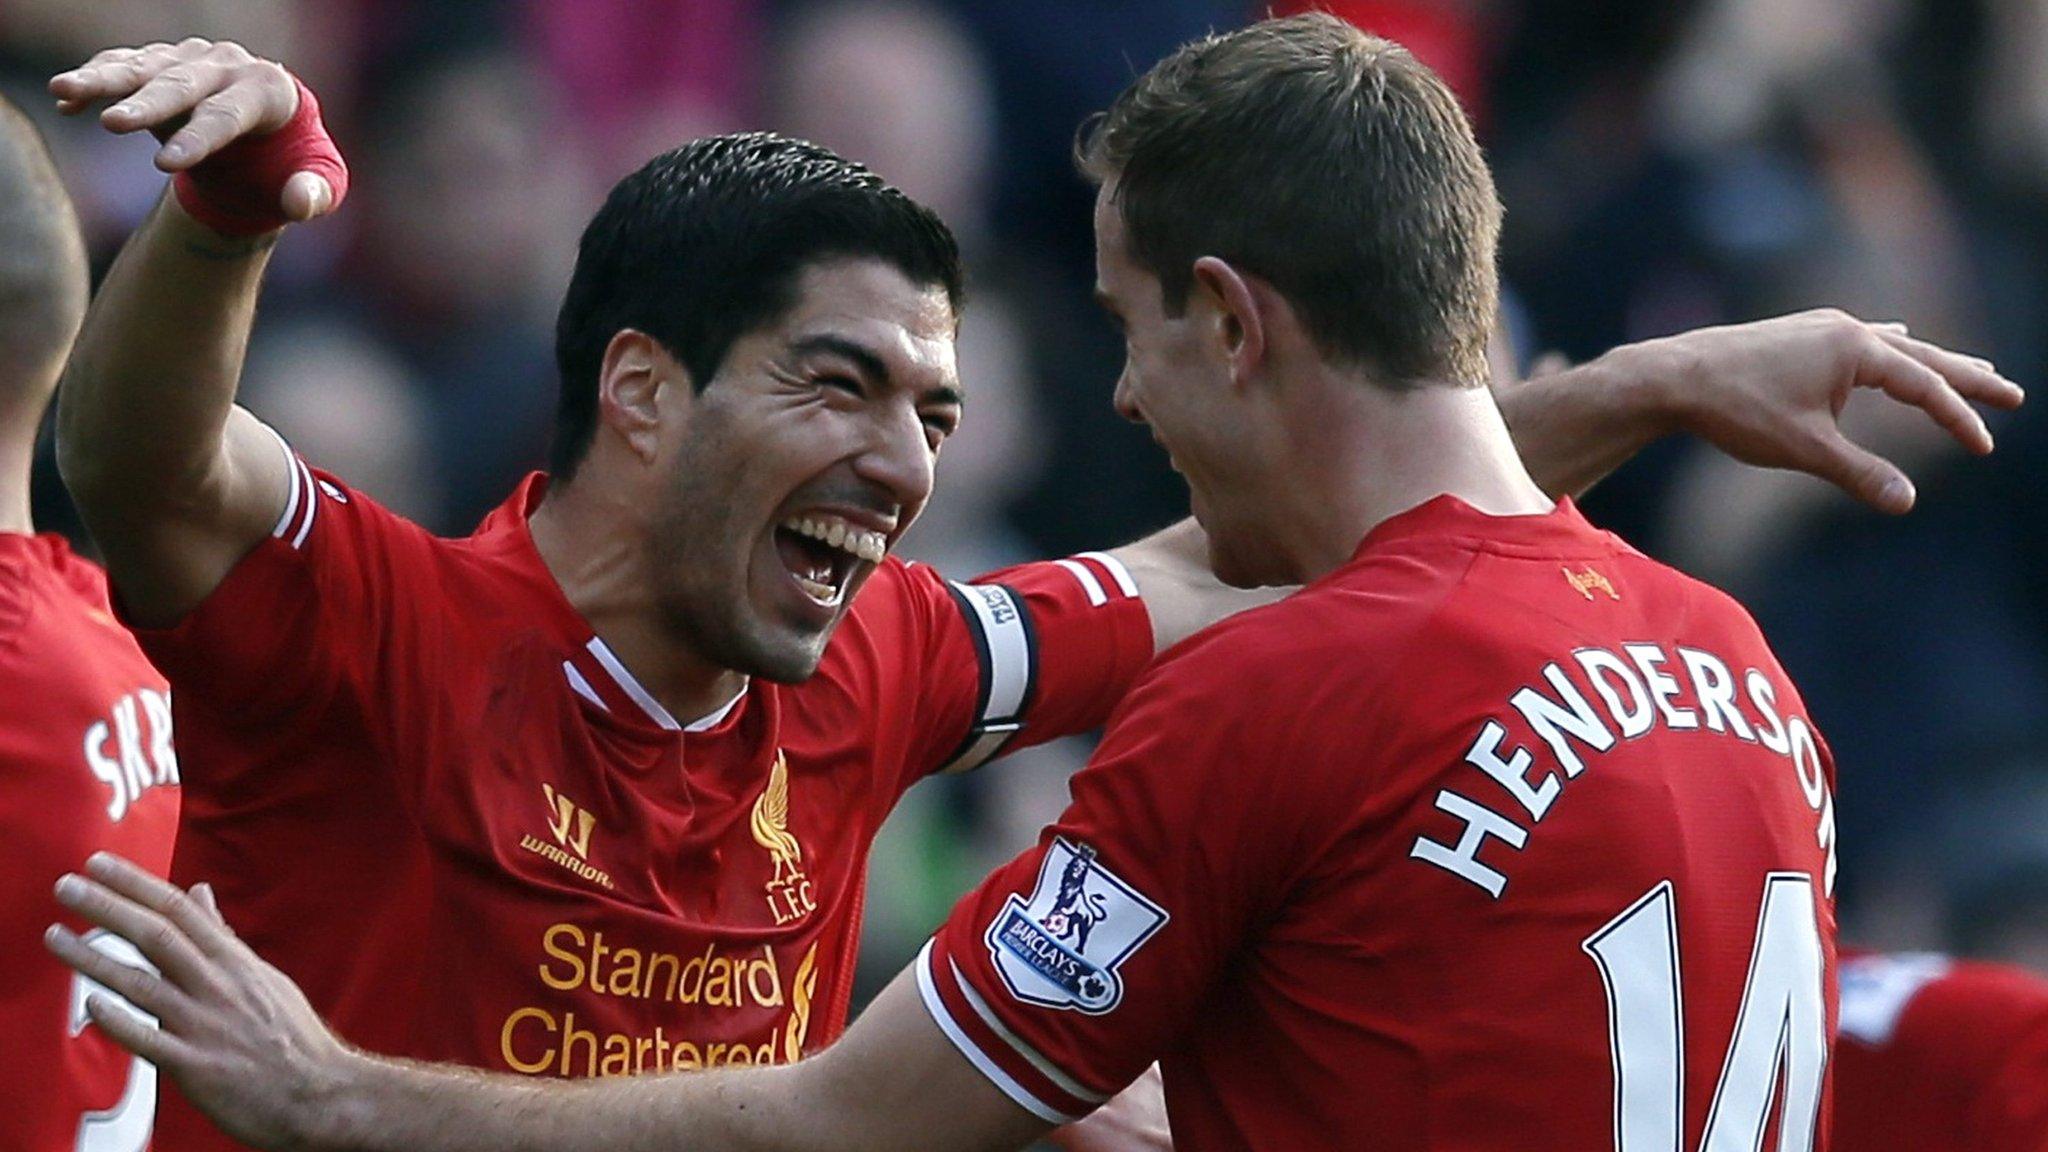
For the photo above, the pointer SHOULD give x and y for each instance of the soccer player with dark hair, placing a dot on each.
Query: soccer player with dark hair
(85, 723)
(1496, 834)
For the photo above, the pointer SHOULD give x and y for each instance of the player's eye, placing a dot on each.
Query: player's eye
(841, 383)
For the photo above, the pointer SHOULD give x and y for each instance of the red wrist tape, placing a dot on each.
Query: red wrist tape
(237, 191)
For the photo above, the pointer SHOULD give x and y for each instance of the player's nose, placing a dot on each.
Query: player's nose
(899, 460)
(1125, 401)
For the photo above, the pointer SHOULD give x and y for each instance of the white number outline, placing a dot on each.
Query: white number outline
(126, 1126)
(1646, 1025)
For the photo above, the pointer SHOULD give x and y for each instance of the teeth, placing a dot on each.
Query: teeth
(822, 593)
(868, 545)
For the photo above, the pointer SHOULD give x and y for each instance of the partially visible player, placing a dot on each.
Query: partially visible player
(1941, 1055)
(1497, 834)
(85, 722)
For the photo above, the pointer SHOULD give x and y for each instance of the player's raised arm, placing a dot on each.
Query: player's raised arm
(174, 481)
(240, 1040)
(1767, 393)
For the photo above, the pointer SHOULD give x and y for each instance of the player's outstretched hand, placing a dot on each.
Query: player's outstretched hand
(1769, 393)
(199, 97)
(234, 1033)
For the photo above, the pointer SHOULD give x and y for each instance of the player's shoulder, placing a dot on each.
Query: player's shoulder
(1290, 654)
(39, 573)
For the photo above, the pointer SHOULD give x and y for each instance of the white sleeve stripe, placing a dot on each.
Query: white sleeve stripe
(291, 502)
(581, 685)
(312, 503)
(1046, 1068)
(1089, 584)
(975, 1056)
(1116, 569)
(1009, 650)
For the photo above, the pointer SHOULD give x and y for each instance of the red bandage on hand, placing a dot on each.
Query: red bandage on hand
(238, 191)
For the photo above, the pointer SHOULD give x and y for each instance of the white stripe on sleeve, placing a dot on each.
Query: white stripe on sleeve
(1030, 1055)
(1089, 584)
(291, 501)
(312, 503)
(1116, 569)
(1016, 1092)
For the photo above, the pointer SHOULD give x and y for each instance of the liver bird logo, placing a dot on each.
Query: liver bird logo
(771, 823)
(789, 892)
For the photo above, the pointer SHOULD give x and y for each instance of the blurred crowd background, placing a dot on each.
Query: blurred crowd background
(1665, 166)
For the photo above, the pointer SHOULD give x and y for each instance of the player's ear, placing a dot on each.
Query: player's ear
(629, 386)
(1240, 314)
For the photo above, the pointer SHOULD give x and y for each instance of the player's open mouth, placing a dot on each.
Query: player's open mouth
(822, 552)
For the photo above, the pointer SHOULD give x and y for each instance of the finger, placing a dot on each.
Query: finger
(1549, 364)
(1861, 473)
(116, 77)
(1973, 376)
(139, 986)
(76, 88)
(1909, 381)
(307, 196)
(139, 1036)
(164, 943)
(95, 79)
(202, 894)
(157, 896)
(215, 123)
(173, 92)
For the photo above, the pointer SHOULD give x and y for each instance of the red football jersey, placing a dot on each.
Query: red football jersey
(1941, 1056)
(428, 792)
(1500, 836)
(85, 764)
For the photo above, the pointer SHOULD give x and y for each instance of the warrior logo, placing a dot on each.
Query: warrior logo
(569, 824)
(1062, 947)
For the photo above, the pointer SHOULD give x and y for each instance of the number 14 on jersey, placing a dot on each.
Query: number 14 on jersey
(1781, 1030)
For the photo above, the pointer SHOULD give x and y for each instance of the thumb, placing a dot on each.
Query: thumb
(307, 196)
(1865, 475)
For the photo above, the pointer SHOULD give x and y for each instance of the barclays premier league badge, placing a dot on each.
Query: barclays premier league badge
(1062, 947)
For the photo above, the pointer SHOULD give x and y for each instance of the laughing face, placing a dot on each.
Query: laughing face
(796, 470)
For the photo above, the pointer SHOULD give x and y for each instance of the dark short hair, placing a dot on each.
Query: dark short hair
(1328, 162)
(43, 275)
(706, 242)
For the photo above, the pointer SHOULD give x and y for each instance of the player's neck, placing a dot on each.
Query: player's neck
(593, 555)
(1385, 453)
(15, 461)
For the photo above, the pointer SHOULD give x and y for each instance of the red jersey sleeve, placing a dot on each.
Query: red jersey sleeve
(328, 609)
(1017, 657)
(1071, 969)
(1937, 1055)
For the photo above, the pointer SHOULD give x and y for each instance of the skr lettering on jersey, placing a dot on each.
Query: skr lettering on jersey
(130, 751)
(1636, 689)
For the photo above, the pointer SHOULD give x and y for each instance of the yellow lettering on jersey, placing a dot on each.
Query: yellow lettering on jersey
(534, 1041)
(541, 1041)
